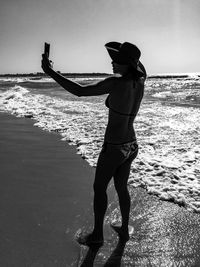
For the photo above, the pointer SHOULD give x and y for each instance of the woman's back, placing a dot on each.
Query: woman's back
(123, 102)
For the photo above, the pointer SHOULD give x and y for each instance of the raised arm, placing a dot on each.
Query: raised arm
(100, 88)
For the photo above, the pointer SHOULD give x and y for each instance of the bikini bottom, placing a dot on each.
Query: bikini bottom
(128, 149)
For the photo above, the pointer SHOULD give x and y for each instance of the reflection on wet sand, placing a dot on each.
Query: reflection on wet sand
(114, 259)
(165, 234)
(116, 256)
(90, 257)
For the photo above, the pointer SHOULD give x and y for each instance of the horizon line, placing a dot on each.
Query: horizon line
(102, 73)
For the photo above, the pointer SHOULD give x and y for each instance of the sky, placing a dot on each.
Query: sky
(166, 31)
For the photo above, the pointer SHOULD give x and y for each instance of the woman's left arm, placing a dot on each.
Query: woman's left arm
(100, 88)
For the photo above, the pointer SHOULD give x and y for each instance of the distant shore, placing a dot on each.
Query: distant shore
(43, 75)
(98, 75)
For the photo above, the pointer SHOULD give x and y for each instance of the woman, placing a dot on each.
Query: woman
(120, 147)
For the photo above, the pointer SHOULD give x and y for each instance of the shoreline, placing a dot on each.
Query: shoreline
(44, 196)
(40, 214)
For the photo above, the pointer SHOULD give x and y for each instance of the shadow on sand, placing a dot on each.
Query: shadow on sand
(114, 259)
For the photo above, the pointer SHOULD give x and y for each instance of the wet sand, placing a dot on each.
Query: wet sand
(45, 197)
(166, 235)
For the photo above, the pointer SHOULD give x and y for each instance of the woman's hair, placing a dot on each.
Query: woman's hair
(134, 74)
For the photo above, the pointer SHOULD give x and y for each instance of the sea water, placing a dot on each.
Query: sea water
(167, 128)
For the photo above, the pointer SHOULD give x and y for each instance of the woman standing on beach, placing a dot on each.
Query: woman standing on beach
(120, 145)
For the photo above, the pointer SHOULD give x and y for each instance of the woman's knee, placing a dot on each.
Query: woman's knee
(99, 188)
(121, 188)
(124, 196)
(102, 180)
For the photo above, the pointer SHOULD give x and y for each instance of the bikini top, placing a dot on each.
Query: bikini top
(124, 114)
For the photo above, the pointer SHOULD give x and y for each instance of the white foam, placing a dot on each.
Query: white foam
(39, 80)
(163, 94)
(168, 164)
(16, 79)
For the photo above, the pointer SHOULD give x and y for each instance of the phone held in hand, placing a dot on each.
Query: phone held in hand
(46, 49)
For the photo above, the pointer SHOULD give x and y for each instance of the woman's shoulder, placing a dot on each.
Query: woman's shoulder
(111, 80)
(141, 81)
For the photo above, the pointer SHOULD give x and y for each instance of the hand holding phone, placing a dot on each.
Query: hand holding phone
(46, 49)
(46, 64)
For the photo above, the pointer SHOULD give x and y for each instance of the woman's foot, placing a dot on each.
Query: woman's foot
(90, 241)
(124, 234)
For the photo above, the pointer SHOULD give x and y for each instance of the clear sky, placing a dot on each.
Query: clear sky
(166, 31)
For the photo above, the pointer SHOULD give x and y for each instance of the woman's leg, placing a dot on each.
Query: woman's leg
(106, 167)
(109, 160)
(120, 181)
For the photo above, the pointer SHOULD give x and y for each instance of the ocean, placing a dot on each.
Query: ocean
(167, 128)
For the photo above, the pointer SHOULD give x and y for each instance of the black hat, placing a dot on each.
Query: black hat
(125, 54)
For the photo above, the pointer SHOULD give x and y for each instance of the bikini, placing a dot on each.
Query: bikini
(127, 148)
(124, 114)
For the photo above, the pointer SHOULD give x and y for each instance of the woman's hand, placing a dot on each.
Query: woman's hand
(46, 64)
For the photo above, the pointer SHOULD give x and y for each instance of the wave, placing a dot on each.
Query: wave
(72, 119)
(168, 164)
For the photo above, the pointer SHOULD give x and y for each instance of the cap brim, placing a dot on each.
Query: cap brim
(141, 69)
(114, 54)
(113, 50)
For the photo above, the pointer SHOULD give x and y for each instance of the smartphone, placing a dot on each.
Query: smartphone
(46, 49)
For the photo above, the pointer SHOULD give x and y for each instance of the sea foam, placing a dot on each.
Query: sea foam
(168, 164)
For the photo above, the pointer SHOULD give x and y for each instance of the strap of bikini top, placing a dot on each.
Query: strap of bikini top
(124, 114)
(118, 112)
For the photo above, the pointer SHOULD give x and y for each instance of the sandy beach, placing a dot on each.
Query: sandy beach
(46, 197)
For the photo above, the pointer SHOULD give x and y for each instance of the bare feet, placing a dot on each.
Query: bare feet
(89, 240)
(124, 234)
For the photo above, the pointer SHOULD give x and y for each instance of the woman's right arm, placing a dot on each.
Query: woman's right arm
(100, 88)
